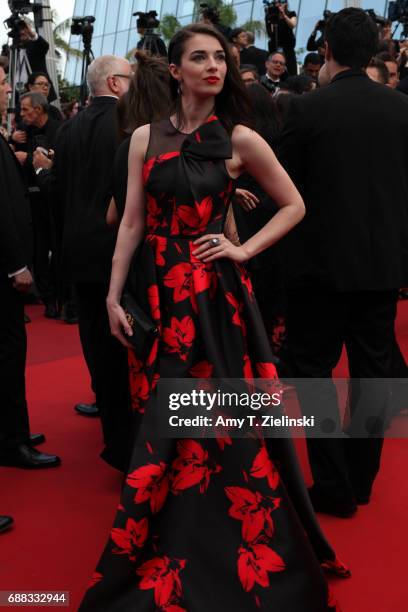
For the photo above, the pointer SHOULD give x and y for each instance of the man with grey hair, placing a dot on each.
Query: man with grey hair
(83, 172)
(40, 131)
(253, 55)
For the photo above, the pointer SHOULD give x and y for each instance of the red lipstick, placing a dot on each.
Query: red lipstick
(212, 80)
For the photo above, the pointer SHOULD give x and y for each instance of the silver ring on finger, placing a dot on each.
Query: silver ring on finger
(214, 241)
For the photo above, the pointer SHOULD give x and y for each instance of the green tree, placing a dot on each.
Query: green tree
(169, 24)
(59, 41)
(67, 91)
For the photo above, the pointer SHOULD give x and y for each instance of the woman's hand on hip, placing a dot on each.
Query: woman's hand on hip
(216, 246)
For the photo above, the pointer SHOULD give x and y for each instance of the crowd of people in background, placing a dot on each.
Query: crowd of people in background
(72, 163)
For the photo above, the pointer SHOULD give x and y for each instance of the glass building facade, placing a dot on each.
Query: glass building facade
(115, 27)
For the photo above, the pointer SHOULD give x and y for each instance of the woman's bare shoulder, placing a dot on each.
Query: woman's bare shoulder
(140, 140)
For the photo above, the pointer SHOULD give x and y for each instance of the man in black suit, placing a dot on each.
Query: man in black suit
(83, 168)
(275, 72)
(349, 256)
(41, 131)
(253, 55)
(16, 444)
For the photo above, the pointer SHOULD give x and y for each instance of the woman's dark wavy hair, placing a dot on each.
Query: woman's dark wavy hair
(265, 113)
(232, 104)
(148, 98)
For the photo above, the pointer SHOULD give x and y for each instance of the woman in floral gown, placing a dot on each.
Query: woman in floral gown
(204, 525)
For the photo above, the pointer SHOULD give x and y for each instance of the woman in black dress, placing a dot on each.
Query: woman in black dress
(206, 524)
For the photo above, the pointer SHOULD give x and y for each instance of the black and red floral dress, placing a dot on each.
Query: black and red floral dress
(204, 525)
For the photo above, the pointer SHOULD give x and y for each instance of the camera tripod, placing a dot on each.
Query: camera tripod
(150, 42)
(19, 65)
(87, 57)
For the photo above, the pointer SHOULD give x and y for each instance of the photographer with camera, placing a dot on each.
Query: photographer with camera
(280, 25)
(145, 25)
(36, 49)
(211, 16)
(314, 42)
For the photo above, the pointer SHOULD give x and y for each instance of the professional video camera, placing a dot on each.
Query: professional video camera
(148, 20)
(82, 26)
(146, 23)
(15, 22)
(398, 11)
(272, 11)
(210, 12)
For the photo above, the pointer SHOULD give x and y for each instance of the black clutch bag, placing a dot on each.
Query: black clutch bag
(144, 329)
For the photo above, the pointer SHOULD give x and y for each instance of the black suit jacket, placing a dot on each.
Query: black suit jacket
(15, 222)
(82, 175)
(346, 148)
(256, 57)
(37, 137)
(36, 52)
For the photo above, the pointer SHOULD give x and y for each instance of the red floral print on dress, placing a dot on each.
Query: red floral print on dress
(247, 367)
(140, 390)
(96, 577)
(193, 466)
(154, 214)
(254, 510)
(332, 603)
(262, 467)
(153, 353)
(237, 317)
(154, 302)
(149, 165)
(197, 217)
(175, 222)
(159, 245)
(179, 278)
(254, 563)
(131, 538)
(179, 337)
(246, 281)
(266, 370)
(202, 369)
(204, 277)
(162, 575)
(223, 441)
(225, 195)
(152, 484)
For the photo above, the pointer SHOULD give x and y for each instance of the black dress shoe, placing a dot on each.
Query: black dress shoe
(51, 311)
(36, 439)
(326, 505)
(5, 523)
(90, 410)
(24, 456)
(69, 315)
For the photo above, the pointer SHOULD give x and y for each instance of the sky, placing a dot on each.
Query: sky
(64, 9)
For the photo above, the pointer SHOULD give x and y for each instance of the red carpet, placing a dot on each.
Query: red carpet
(63, 515)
